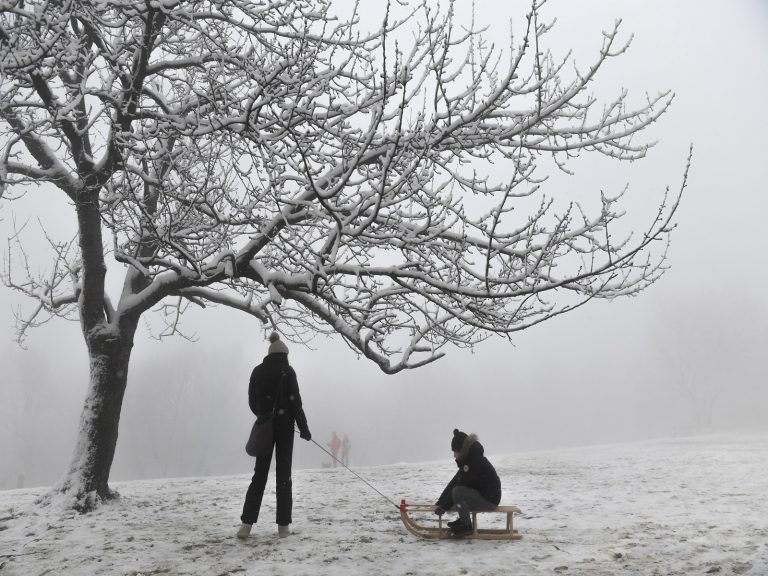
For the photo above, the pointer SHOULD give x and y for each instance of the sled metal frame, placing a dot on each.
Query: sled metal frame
(442, 531)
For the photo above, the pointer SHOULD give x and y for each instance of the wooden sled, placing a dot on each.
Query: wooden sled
(442, 531)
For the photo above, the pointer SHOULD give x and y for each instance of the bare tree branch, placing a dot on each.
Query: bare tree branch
(276, 160)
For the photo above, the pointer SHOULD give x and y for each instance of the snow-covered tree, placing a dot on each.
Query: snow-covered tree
(269, 157)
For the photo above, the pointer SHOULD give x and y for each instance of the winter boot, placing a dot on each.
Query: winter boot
(461, 530)
(283, 531)
(454, 523)
(245, 530)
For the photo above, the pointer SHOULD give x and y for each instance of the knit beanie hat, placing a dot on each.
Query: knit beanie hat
(277, 345)
(458, 440)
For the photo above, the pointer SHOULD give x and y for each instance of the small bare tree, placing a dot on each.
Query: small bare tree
(274, 159)
(704, 346)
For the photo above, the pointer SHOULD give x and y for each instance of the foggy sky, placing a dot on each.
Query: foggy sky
(685, 356)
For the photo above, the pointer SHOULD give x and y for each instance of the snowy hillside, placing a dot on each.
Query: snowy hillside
(682, 506)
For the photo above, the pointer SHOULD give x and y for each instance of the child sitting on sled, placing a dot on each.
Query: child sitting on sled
(475, 486)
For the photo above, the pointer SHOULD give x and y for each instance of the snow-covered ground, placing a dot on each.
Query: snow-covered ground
(683, 506)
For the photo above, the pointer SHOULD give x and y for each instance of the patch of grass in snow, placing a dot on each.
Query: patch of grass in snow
(331, 559)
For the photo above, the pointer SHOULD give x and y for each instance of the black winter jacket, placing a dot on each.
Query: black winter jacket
(475, 471)
(265, 392)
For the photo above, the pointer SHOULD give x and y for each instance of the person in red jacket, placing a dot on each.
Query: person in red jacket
(475, 486)
(335, 445)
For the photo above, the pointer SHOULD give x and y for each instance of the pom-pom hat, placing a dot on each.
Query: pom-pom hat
(277, 346)
(458, 440)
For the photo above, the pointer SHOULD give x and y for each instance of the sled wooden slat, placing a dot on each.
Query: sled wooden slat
(441, 530)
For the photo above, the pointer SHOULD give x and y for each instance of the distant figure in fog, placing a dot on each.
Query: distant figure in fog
(346, 445)
(273, 387)
(335, 444)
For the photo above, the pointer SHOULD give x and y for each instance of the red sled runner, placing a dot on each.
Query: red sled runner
(442, 531)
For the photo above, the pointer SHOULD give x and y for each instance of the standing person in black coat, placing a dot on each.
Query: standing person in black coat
(273, 386)
(476, 486)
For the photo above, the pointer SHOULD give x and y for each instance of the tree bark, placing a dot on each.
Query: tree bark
(85, 483)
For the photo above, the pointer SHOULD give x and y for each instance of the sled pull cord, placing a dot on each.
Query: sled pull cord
(355, 473)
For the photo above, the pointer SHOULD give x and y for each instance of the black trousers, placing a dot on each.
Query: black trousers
(283, 449)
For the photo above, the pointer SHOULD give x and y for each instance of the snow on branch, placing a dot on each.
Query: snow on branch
(389, 186)
(55, 294)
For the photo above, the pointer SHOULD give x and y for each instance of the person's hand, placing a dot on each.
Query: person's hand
(305, 435)
(439, 510)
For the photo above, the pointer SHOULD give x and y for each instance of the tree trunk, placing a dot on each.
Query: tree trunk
(85, 483)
